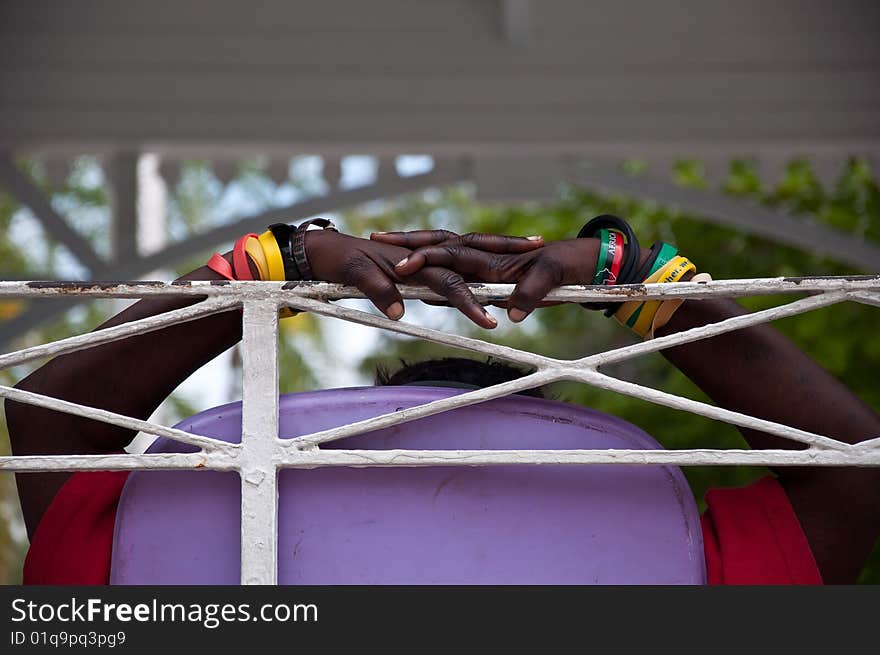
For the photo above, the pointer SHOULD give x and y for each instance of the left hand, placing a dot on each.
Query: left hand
(536, 272)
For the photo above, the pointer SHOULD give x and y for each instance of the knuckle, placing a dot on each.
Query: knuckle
(495, 262)
(354, 270)
(550, 267)
(450, 283)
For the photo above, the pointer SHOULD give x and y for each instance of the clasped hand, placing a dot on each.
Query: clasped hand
(445, 262)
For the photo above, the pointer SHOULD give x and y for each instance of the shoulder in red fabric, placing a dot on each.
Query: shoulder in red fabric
(73, 542)
(752, 536)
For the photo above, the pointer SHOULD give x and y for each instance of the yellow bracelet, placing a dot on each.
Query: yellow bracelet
(255, 250)
(639, 315)
(669, 307)
(628, 309)
(275, 264)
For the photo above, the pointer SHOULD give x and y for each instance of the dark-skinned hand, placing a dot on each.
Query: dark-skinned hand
(369, 265)
(475, 256)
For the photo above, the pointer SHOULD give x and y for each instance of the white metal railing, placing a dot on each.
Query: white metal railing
(261, 453)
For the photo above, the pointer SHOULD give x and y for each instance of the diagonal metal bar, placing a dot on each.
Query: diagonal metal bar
(868, 444)
(104, 416)
(430, 334)
(655, 396)
(866, 297)
(117, 332)
(712, 329)
(27, 193)
(420, 411)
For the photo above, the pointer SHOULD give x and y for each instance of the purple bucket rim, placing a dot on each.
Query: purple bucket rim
(636, 436)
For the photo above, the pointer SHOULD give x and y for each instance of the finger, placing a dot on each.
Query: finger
(415, 238)
(500, 243)
(452, 286)
(544, 276)
(366, 275)
(452, 255)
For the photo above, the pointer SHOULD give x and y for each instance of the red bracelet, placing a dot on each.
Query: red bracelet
(240, 258)
(219, 265)
(618, 258)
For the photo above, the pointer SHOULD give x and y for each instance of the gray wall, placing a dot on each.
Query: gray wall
(398, 75)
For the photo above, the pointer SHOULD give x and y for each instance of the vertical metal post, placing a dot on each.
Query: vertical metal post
(259, 440)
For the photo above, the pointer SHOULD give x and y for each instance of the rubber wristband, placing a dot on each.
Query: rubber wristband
(240, 259)
(617, 259)
(669, 307)
(673, 271)
(601, 266)
(666, 254)
(631, 253)
(219, 265)
(253, 248)
(283, 233)
(275, 263)
(639, 315)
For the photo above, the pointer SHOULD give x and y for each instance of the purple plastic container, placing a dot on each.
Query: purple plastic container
(437, 525)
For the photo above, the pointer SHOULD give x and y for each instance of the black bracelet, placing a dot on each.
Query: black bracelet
(282, 232)
(298, 245)
(631, 254)
(645, 269)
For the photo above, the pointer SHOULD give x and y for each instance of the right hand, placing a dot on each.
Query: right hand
(535, 271)
(370, 266)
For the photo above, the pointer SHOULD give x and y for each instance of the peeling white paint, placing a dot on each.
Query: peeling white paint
(261, 453)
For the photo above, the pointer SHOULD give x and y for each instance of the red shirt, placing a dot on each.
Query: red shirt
(751, 535)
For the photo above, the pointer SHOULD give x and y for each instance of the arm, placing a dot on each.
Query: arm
(133, 376)
(764, 375)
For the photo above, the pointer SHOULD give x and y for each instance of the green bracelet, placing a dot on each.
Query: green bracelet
(599, 275)
(667, 252)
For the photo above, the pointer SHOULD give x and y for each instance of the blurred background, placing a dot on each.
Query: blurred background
(136, 138)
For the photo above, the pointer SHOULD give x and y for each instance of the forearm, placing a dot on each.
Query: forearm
(757, 371)
(131, 376)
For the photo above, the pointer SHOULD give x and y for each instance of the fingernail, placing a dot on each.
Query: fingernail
(491, 318)
(395, 310)
(535, 238)
(380, 233)
(516, 315)
(401, 263)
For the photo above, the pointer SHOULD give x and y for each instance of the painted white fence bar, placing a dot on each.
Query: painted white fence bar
(259, 443)
(261, 453)
(330, 291)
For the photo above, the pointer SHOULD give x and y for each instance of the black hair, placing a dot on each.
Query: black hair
(454, 369)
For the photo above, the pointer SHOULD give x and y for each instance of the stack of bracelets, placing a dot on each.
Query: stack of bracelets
(618, 263)
(278, 254)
